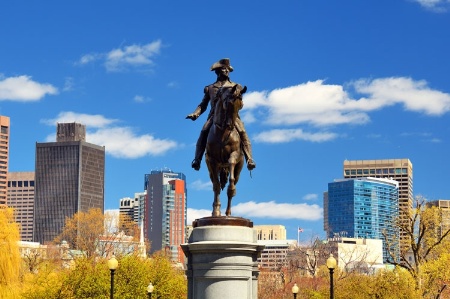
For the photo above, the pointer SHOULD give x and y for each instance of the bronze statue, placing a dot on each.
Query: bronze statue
(222, 69)
(223, 135)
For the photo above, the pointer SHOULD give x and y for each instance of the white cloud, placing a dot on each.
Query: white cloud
(422, 136)
(193, 214)
(311, 196)
(269, 209)
(132, 56)
(122, 142)
(24, 89)
(141, 99)
(288, 135)
(200, 185)
(413, 95)
(435, 140)
(435, 5)
(91, 121)
(173, 84)
(324, 105)
(272, 209)
(68, 84)
(313, 102)
(119, 142)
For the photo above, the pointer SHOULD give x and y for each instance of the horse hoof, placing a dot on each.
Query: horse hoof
(216, 213)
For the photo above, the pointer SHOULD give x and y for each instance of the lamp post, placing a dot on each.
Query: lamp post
(112, 265)
(150, 290)
(331, 265)
(295, 290)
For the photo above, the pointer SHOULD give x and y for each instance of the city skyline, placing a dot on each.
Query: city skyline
(327, 82)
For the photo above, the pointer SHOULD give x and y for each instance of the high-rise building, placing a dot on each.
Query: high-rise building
(4, 158)
(400, 170)
(165, 212)
(134, 208)
(21, 198)
(444, 207)
(363, 208)
(69, 178)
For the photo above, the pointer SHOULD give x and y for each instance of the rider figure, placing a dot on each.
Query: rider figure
(222, 69)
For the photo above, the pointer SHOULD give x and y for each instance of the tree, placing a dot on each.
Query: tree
(83, 230)
(307, 259)
(45, 284)
(9, 252)
(129, 226)
(428, 239)
(9, 249)
(381, 285)
(90, 278)
(32, 258)
(169, 281)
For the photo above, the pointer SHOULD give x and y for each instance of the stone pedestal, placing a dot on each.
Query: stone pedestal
(222, 259)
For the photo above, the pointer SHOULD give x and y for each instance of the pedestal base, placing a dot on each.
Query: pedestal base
(222, 259)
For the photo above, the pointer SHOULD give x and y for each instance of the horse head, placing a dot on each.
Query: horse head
(228, 105)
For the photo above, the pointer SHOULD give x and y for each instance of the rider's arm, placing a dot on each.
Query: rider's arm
(201, 107)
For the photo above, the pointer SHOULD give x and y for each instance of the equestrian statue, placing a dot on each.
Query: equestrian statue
(223, 135)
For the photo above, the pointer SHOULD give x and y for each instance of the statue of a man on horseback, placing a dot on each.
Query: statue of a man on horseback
(222, 69)
(223, 135)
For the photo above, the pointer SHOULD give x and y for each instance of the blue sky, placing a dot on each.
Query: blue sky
(327, 81)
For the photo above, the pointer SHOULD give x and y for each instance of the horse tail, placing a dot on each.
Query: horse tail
(223, 177)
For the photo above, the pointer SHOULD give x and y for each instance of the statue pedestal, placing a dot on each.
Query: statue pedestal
(222, 259)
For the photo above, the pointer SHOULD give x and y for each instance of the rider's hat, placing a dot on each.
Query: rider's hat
(225, 62)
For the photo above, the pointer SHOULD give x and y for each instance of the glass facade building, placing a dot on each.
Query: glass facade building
(363, 208)
(400, 170)
(165, 212)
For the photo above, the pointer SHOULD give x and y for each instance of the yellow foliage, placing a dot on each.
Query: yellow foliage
(9, 248)
(82, 231)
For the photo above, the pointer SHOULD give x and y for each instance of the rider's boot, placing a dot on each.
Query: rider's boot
(199, 150)
(247, 146)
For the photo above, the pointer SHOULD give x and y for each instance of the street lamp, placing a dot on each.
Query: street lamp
(150, 291)
(331, 265)
(112, 265)
(295, 290)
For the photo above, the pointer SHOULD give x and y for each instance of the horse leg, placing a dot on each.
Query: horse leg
(216, 203)
(216, 188)
(231, 191)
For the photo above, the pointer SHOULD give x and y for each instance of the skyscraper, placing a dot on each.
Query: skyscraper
(4, 158)
(134, 208)
(444, 208)
(21, 198)
(400, 170)
(165, 212)
(363, 208)
(70, 175)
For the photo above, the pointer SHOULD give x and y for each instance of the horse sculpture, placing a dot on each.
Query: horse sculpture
(224, 155)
